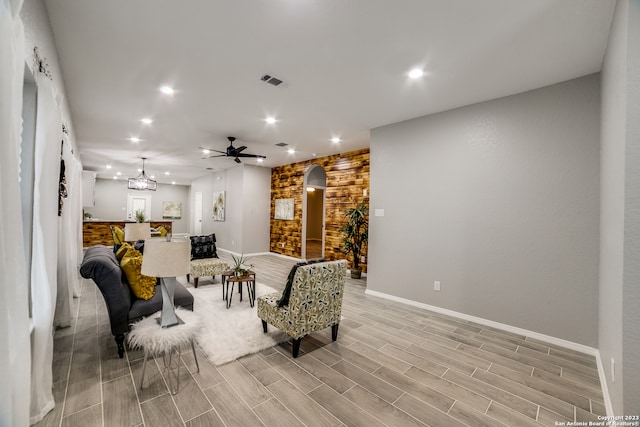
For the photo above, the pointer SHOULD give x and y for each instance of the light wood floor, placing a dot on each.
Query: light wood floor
(392, 365)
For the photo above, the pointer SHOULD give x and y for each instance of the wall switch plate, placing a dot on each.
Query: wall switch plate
(282, 245)
(436, 286)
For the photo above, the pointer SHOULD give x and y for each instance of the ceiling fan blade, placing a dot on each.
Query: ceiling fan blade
(239, 149)
(237, 160)
(250, 155)
(215, 155)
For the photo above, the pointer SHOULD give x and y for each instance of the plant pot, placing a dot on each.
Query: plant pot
(356, 273)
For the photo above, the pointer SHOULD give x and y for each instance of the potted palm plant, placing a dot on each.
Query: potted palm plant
(139, 215)
(356, 234)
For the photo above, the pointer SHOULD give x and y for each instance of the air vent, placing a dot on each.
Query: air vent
(271, 80)
(281, 144)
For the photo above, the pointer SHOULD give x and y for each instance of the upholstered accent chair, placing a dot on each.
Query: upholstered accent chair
(314, 303)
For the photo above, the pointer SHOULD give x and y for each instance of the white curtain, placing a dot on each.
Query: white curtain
(14, 295)
(69, 239)
(45, 245)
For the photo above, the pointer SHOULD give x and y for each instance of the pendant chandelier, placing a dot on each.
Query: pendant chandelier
(142, 182)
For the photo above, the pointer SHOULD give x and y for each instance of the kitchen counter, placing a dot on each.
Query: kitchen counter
(98, 232)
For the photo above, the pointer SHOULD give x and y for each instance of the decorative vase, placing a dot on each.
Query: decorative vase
(356, 273)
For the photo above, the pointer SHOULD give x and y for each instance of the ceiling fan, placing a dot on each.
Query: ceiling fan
(233, 152)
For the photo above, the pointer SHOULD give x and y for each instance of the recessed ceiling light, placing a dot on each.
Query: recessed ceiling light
(291, 151)
(167, 173)
(139, 169)
(152, 177)
(260, 160)
(115, 177)
(167, 90)
(205, 151)
(118, 173)
(108, 166)
(173, 183)
(335, 140)
(146, 121)
(135, 139)
(416, 73)
(270, 120)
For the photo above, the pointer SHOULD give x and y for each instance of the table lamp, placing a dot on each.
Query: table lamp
(137, 231)
(167, 260)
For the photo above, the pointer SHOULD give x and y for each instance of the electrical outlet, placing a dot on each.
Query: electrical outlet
(282, 245)
(436, 286)
(363, 259)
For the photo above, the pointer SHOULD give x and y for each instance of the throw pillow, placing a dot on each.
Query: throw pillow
(160, 229)
(142, 286)
(118, 235)
(286, 293)
(122, 250)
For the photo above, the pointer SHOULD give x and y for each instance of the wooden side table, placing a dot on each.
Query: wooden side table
(248, 278)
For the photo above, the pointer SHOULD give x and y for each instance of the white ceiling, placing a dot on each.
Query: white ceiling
(344, 63)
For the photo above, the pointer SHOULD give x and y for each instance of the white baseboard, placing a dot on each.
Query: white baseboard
(508, 328)
(513, 329)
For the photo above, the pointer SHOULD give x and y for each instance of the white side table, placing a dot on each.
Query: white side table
(156, 341)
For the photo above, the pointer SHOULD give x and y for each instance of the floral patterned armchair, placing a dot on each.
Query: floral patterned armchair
(315, 302)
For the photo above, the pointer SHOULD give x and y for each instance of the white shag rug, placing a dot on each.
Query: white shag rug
(227, 334)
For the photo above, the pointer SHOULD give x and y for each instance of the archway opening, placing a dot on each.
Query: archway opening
(315, 183)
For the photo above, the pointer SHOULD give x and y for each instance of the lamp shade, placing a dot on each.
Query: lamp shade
(137, 231)
(166, 259)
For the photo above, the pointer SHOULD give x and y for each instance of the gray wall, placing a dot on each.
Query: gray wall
(111, 202)
(247, 206)
(257, 209)
(499, 202)
(619, 326)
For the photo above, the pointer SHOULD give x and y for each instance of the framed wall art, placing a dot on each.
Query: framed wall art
(284, 209)
(218, 206)
(171, 210)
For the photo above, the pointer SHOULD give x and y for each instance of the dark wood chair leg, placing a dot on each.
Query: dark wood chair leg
(334, 332)
(188, 277)
(120, 344)
(296, 347)
(195, 282)
(264, 326)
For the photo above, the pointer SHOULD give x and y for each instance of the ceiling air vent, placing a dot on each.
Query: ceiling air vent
(271, 80)
(282, 144)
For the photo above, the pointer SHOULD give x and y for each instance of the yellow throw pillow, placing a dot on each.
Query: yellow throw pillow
(118, 235)
(120, 253)
(142, 286)
(161, 230)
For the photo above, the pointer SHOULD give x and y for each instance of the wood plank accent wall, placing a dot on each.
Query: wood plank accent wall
(99, 232)
(347, 178)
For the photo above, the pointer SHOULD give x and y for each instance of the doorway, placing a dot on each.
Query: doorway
(315, 182)
(197, 214)
(137, 203)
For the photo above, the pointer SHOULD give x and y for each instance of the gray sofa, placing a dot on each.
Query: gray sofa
(100, 265)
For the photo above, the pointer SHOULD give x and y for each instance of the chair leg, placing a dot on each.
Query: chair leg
(195, 282)
(296, 347)
(188, 278)
(264, 326)
(193, 348)
(334, 331)
(120, 344)
(144, 368)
